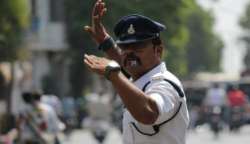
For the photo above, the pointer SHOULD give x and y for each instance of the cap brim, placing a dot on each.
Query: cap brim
(134, 39)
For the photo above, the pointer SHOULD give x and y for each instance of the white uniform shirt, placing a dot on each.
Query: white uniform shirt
(167, 100)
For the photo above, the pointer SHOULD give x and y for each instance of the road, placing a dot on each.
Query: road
(201, 135)
(205, 136)
(85, 137)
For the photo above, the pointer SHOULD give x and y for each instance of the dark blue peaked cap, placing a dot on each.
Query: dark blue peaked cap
(136, 28)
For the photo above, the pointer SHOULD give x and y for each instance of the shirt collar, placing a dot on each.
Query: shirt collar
(161, 68)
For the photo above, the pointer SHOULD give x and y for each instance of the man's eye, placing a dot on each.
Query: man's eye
(139, 45)
(138, 51)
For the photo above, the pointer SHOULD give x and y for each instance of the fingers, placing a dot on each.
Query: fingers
(88, 62)
(89, 30)
(96, 64)
(98, 12)
(99, 9)
(94, 60)
(93, 63)
(95, 8)
(102, 9)
(95, 12)
(96, 29)
(91, 59)
(103, 12)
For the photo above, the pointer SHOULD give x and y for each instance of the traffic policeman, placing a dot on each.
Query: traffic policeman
(155, 104)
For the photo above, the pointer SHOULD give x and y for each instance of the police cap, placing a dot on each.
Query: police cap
(136, 28)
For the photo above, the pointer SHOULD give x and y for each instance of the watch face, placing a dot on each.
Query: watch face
(113, 64)
(111, 67)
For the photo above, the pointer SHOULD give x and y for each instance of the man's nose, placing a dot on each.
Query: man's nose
(127, 51)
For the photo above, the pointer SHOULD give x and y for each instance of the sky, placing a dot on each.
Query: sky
(227, 14)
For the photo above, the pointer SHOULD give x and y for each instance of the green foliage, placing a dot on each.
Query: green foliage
(77, 15)
(245, 19)
(171, 13)
(13, 19)
(204, 47)
(245, 24)
(179, 38)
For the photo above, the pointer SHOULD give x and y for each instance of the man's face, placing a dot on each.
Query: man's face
(138, 58)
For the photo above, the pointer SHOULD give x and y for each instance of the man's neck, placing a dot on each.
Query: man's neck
(137, 76)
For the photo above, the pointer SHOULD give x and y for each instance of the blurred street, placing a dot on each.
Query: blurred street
(55, 80)
(202, 134)
(80, 136)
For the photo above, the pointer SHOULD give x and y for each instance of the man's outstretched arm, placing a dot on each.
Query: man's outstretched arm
(143, 108)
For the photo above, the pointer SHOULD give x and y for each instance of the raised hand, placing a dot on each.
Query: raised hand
(96, 64)
(97, 30)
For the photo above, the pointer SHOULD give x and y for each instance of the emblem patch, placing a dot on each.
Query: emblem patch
(131, 29)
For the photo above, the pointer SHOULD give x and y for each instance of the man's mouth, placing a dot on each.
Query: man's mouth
(132, 61)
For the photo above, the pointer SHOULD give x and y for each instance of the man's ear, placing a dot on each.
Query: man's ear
(158, 50)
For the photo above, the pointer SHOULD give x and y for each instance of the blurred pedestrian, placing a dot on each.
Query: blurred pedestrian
(54, 102)
(99, 110)
(238, 102)
(236, 97)
(215, 96)
(81, 106)
(38, 122)
(215, 102)
(69, 113)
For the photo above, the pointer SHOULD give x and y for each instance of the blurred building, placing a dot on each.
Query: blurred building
(47, 42)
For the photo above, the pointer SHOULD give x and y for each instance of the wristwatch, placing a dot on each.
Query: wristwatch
(112, 66)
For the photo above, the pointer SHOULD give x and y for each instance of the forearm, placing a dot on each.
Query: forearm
(142, 108)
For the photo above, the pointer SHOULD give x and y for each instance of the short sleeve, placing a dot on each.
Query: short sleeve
(165, 96)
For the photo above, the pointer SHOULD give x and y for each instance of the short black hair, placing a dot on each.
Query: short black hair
(30, 97)
(157, 41)
(27, 97)
(36, 95)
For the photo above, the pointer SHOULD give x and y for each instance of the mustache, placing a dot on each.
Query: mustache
(132, 60)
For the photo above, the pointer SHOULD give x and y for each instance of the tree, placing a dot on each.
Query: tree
(204, 47)
(245, 24)
(187, 23)
(78, 13)
(173, 13)
(13, 19)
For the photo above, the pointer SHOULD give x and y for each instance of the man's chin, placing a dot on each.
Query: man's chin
(131, 69)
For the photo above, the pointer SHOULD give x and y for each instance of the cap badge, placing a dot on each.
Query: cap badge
(131, 29)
